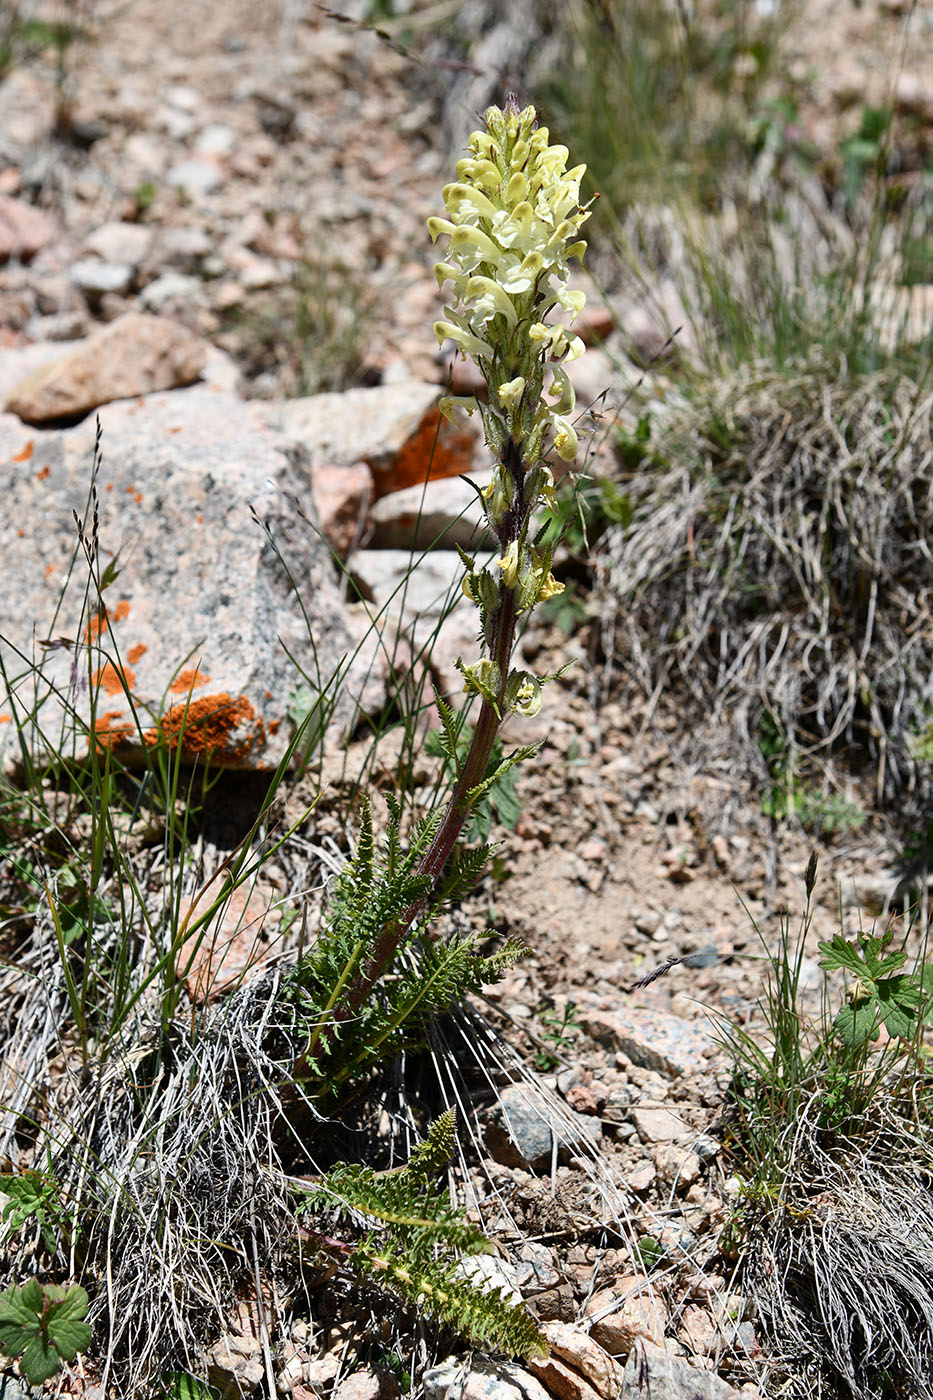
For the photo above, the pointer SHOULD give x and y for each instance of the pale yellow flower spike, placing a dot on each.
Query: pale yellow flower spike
(512, 228)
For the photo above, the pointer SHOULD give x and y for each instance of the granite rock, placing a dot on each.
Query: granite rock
(119, 242)
(655, 1371)
(24, 230)
(580, 1353)
(628, 1310)
(135, 355)
(653, 1039)
(484, 1379)
(441, 513)
(396, 429)
(189, 648)
(527, 1122)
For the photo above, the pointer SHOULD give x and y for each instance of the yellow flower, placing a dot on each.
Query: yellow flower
(514, 216)
(565, 438)
(523, 693)
(510, 392)
(509, 564)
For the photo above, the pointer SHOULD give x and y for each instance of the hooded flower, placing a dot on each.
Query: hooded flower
(512, 229)
(514, 215)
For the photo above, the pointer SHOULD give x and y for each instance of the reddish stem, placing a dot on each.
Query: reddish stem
(434, 862)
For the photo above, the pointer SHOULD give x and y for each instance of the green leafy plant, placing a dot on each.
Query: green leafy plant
(786, 796)
(651, 1252)
(828, 1130)
(35, 1196)
(42, 1325)
(560, 1030)
(824, 1063)
(381, 904)
(410, 1239)
(659, 99)
(879, 993)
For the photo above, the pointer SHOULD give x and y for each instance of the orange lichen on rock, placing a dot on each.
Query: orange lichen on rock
(213, 726)
(26, 453)
(112, 728)
(187, 681)
(112, 679)
(44, 474)
(102, 616)
(136, 652)
(436, 450)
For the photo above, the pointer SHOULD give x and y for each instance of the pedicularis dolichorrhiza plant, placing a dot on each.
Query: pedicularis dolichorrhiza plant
(512, 232)
(378, 973)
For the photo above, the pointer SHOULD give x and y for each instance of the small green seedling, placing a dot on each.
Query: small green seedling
(650, 1251)
(561, 1028)
(42, 1324)
(878, 993)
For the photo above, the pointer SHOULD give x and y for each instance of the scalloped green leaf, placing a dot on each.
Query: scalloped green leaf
(898, 1000)
(856, 1023)
(43, 1325)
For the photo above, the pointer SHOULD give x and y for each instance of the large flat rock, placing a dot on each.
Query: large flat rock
(654, 1039)
(191, 643)
(136, 354)
(655, 1371)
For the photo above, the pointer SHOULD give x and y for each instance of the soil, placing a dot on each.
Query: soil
(324, 143)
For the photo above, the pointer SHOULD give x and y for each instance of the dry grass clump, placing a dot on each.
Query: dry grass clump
(778, 565)
(172, 1161)
(839, 1268)
(163, 1158)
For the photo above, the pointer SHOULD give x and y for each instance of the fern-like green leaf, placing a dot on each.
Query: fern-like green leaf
(411, 1240)
(365, 846)
(482, 1318)
(509, 762)
(432, 1155)
(448, 735)
(465, 871)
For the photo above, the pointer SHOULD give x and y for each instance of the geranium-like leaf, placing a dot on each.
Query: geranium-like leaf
(840, 953)
(867, 959)
(898, 1001)
(67, 1308)
(19, 1309)
(39, 1360)
(855, 1024)
(43, 1326)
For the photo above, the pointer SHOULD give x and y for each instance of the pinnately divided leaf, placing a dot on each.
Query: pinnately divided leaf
(414, 1239)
